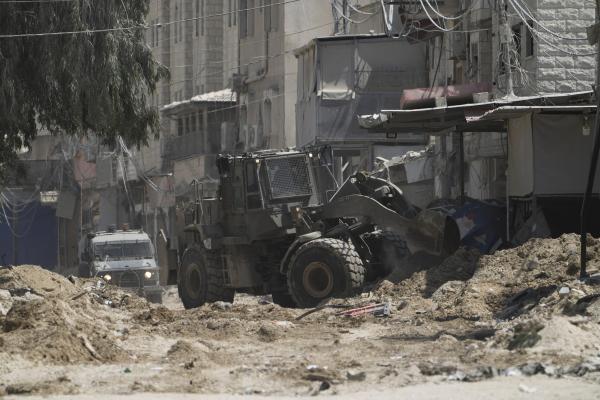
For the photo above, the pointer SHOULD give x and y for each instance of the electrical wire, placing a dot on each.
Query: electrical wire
(547, 41)
(135, 27)
(432, 19)
(335, 5)
(33, 1)
(360, 11)
(523, 7)
(438, 13)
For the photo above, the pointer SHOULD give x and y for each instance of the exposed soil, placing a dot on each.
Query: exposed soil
(470, 318)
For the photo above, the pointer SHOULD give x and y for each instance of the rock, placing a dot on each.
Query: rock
(6, 302)
(527, 389)
(564, 291)
(512, 371)
(222, 305)
(458, 376)
(448, 289)
(532, 263)
(402, 305)
(447, 339)
(285, 324)
(268, 333)
(357, 376)
(532, 369)
(525, 335)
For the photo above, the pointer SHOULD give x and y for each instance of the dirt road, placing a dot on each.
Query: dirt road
(509, 325)
(506, 388)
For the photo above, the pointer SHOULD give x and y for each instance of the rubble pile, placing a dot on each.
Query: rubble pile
(47, 317)
(538, 277)
(540, 274)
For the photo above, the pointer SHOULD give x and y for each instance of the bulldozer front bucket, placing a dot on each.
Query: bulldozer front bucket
(428, 232)
(423, 233)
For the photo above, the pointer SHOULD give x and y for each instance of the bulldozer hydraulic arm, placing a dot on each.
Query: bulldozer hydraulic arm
(425, 232)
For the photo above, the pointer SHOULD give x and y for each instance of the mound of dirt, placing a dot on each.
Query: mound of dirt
(38, 280)
(511, 282)
(427, 274)
(58, 320)
(56, 331)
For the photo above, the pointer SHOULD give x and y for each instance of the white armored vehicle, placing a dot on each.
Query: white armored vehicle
(124, 258)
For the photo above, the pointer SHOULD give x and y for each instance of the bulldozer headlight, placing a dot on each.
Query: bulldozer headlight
(107, 277)
(147, 274)
(296, 214)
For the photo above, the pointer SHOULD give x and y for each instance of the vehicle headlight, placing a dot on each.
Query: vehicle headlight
(148, 274)
(107, 277)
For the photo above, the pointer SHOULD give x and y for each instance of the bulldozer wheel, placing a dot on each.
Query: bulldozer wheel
(393, 249)
(201, 280)
(324, 268)
(284, 300)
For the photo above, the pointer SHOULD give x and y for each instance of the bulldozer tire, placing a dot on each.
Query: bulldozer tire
(284, 300)
(201, 280)
(324, 268)
(393, 249)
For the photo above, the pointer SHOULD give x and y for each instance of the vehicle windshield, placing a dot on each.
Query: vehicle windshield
(123, 250)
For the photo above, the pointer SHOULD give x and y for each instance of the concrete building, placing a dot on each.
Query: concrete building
(548, 45)
(267, 79)
(340, 77)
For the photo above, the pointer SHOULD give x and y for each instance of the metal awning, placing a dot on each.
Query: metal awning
(469, 117)
(211, 99)
(510, 112)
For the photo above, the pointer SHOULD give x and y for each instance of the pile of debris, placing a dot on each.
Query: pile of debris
(47, 317)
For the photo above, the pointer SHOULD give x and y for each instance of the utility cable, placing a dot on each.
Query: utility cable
(134, 27)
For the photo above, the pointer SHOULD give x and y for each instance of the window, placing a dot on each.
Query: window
(250, 23)
(202, 24)
(157, 28)
(529, 45)
(267, 119)
(234, 12)
(200, 118)
(274, 15)
(253, 200)
(176, 23)
(197, 21)
(193, 123)
(230, 13)
(180, 127)
(516, 34)
(180, 18)
(243, 18)
(267, 18)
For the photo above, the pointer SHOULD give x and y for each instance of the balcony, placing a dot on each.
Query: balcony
(184, 146)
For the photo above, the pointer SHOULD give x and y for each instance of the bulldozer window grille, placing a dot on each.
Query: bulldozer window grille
(288, 177)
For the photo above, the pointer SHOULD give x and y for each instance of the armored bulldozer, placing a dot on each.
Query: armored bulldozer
(281, 225)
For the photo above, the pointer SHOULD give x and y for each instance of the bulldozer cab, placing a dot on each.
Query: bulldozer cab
(260, 192)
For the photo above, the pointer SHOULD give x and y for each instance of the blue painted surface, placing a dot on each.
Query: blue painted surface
(481, 223)
(37, 236)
